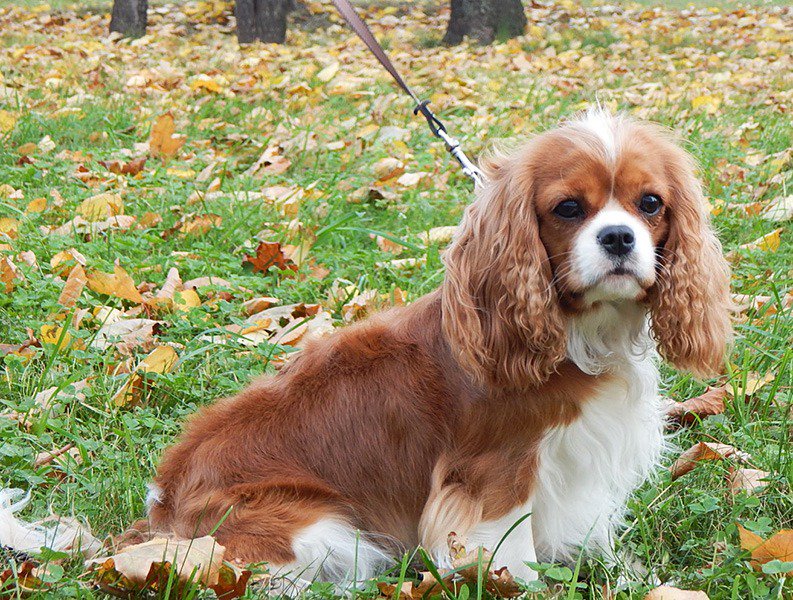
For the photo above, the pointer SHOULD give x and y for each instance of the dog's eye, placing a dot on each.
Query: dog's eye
(569, 209)
(650, 204)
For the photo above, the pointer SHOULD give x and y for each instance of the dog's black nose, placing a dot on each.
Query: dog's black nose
(617, 239)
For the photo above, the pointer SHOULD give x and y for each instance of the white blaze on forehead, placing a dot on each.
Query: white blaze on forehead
(605, 127)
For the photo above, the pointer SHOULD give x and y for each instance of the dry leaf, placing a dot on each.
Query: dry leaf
(703, 451)
(748, 480)
(147, 566)
(388, 168)
(162, 141)
(438, 235)
(666, 592)
(468, 565)
(161, 360)
(387, 245)
(754, 383)
(63, 262)
(118, 284)
(73, 288)
(778, 547)
(132, 167)
(101, 206)
(269, 254)
(709, 403)
(269, 163)
(127, 335)
(255, 305)
(780, 209)
(9, 274)
(768, 243)
(9, 226)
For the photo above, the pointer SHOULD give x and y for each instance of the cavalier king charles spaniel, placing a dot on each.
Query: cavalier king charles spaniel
(526, 384)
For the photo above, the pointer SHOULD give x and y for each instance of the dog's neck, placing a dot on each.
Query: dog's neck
(609, 336)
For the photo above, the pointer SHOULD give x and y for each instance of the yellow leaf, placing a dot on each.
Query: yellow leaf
(162, 141)
(55, 335)
(101, 206)
(118, 284)
(768, 243)
(326, 74)
(8, 274)
(9, 226)
(205, 82)
(710, 103)
(7, 121)
(63, 262)
(36, 205)
(161, 360)
(186, 299)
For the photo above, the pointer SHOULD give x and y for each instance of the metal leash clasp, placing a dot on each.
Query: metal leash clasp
(452, 145)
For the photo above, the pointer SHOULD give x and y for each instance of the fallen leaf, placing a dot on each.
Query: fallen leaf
(151, 565)
(127, 335)
(389, 590)
(387, 245)
(269, 163)
(194, 224)
(469, 565)
(64, 261)
(768, 243)
(388, 168)
(36, 205)
(9, 226)
(666, 592)
(326, 74)
(269, 254)
(101, 206)
(118, 284)
(205, 82)
(132, 167)
(438, 235)
(163, 143)
(160, 361)
(73, 287)
(704, 405)
(747, 480)
(703, 451)
(9, 274)
(754, 383)
(778, 547)
(255, 305)
(780, 209)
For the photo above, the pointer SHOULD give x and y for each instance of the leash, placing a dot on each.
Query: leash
(436, 127)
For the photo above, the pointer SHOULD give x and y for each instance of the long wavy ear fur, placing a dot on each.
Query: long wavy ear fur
(500, 311)
(690, 301)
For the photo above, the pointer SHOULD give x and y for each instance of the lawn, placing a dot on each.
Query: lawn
(310, 146)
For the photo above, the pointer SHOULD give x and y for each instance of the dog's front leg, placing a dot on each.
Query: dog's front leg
(450, 508)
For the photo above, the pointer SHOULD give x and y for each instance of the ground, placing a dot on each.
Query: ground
(305, 146)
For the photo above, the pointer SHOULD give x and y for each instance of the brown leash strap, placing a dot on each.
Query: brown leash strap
(438, 130)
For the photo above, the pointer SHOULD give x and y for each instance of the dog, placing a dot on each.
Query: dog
(525, 387)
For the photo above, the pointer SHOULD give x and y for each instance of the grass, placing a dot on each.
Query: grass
(74, 88)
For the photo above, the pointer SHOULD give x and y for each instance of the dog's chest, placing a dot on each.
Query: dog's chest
(589, 467)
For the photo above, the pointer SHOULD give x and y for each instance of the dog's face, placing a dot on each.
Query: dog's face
(603, 206)
(602, 209)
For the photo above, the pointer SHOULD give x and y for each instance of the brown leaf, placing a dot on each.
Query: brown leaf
(161, 360)
(468, 565)
(194, 224)
(709, 403)
(748, 480)
(73, 288)
(778, 547)
(118, 284)
(162, 141)
(269, 163)
(389, 590)
(666, 592)
(147, 566)
(9, 274)
(269, 254)
(132, 167)
(703, 451)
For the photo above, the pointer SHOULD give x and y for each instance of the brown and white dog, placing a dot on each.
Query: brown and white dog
(526, 384)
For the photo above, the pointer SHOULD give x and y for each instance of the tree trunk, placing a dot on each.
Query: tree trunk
(129, 17)
(263, 20)
(485, 20)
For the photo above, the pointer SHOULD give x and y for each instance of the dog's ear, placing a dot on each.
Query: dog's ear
(690, 300)
(500, 312)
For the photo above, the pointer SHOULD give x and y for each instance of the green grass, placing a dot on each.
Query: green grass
(685, 530)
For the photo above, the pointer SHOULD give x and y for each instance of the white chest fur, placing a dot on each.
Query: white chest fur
(589, 468)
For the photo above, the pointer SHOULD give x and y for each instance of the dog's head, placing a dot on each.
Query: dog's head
(603, 209)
